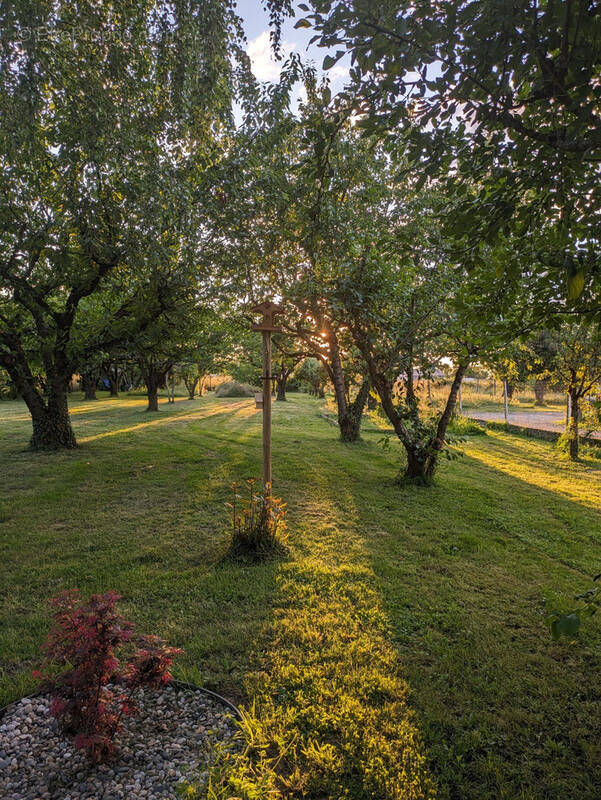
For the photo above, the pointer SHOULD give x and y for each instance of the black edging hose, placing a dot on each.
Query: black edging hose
(195, 688)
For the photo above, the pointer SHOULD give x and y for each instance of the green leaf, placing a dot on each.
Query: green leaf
(302, 23)
(330, 60)
(565, 625)
(575, 285)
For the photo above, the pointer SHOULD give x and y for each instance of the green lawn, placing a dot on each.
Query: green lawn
(397, 651)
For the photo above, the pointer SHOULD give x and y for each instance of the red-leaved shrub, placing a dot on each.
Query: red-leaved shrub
(105, 664)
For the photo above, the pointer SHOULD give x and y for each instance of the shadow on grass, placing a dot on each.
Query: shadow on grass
(143, 515)
(463, 567)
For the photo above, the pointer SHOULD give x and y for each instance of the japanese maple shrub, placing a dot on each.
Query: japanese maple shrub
(101, 664)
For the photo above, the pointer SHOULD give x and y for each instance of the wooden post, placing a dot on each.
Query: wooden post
(505, 403)
(266, 409)
(267, 327)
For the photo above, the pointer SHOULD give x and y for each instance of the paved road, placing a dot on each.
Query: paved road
(543, 420)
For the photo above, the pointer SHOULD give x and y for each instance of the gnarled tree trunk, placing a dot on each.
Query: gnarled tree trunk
(539, 392)
(154, 374)
(88, 384)
(52, 425)
(50, 414)
(422, 455)
(152, 390)
(114, 375)
(281, 381)
(349, 414)
(350, 423)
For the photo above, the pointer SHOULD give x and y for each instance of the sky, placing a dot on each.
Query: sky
(265, 67)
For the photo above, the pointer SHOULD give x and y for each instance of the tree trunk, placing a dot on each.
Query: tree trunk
(153, 396)
(114, 375)
(51, 424)
(281, 381)
(337, 376)
(349, 428)
(422, 456)
(434, 448)
(88, 384)
(154, 377)
(539, 392)
(170, 384)
(573, 425)
(350, 423)
(418, 470)
(191, 385)
(349, 417)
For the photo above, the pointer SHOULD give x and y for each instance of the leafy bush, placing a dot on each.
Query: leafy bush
(562, 445)
(590, 451)
(462, 426)
(97, 689)
(497, 425)
(234, 389)
(257, 520)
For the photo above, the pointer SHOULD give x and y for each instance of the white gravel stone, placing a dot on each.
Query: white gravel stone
(170, 740)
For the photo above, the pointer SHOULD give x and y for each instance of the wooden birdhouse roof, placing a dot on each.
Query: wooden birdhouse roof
(267, 307)
(269, 310)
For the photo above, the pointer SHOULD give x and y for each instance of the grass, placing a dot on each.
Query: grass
(482, 397)
(398, 650)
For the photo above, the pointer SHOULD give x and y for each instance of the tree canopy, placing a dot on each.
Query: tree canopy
(112, 115)
(501, 100)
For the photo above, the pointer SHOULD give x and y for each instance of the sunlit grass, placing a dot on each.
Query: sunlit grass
(485, 397)
(401, 641)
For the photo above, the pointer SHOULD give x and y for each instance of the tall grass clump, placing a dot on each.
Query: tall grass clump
(258, 525)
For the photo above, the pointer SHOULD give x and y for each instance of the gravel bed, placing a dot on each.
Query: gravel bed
(171, 739)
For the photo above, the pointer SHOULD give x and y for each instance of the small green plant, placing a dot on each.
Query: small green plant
(567, 623)
(257, 519)
(463, 426)
(562, 445)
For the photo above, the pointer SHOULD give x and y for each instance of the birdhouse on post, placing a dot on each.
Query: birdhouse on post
(267, 326)
(268, 310)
